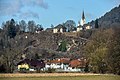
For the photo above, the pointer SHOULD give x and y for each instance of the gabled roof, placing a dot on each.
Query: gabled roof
(37, 63)
(34, 63)
(49, 29)
(86, 25)
(77, 63)
(61, 60)
(60, 26)
(74, 63)
(24, 61)
(79, 26)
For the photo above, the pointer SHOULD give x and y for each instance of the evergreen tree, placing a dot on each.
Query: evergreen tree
(62, 46)
(52, 26)
(96, 23)
(10, 28)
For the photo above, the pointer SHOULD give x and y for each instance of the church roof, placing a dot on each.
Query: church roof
(79, 26)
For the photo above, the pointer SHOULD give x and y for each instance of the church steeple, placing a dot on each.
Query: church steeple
(83, 16)
(83, 19)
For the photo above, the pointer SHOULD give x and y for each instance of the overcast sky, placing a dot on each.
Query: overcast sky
(47, 12)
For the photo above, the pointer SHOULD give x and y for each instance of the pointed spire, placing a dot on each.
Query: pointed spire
(83, 16)
(83, 19)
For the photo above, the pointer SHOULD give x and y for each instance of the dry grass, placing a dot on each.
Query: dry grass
(58, 76)
(45, 74)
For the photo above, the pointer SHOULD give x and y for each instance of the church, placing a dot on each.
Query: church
(82, 25)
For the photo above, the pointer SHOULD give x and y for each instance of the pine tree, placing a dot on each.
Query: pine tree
(96, 23)
(62, 46)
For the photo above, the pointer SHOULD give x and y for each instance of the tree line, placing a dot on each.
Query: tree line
(12, 27)
(103, 51)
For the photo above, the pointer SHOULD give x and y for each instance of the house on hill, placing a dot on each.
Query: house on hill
(59, 28)
(79, 28)
(38, 30)
(49, 30)
(87, 26)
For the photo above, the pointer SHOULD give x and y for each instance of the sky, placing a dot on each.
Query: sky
(47, 12)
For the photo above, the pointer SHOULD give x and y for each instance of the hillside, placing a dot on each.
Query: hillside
(47, 45)
(110, 19)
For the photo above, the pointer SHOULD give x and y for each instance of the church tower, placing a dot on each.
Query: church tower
(83, 19)
(78, 23)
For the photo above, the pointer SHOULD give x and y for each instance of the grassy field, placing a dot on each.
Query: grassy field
(61, 76)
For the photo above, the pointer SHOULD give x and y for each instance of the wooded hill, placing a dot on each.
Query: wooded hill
(110, 19)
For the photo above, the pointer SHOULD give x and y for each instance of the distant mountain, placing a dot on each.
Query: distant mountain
(110, 19)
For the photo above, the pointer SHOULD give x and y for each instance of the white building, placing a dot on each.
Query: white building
(83, 25)
(62, 64)
(88, 27)
(55, 30)
(59, 28)
(79, 28)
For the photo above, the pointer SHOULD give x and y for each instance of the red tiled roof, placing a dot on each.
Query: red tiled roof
(61, 60)
(77, 63)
